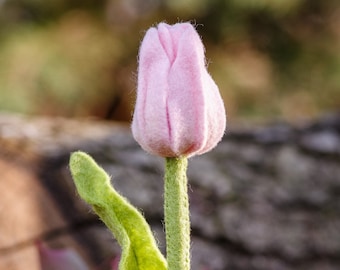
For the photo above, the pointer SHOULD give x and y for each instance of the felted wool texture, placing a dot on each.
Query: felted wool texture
(139, 249)
(176, 214)
(179, 110)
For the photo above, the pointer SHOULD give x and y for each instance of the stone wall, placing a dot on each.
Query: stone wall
(267, 198)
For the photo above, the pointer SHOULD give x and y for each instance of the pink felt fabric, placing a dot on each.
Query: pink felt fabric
(179, 110)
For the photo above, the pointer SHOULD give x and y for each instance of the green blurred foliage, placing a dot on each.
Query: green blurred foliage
(271, 58)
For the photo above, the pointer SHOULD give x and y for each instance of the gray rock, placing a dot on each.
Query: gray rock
(266, 198)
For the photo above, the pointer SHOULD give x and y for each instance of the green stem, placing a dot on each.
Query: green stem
(176, 214)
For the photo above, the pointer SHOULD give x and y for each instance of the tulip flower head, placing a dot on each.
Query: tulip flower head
(179, 113)
(179, 110)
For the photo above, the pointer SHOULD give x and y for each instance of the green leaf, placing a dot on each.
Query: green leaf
(139, 249)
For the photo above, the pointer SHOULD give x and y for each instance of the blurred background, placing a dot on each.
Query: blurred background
(272, 59)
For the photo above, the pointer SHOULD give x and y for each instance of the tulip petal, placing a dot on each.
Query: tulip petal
(151, 100)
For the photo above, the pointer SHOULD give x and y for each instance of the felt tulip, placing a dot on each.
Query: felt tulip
(179, 110)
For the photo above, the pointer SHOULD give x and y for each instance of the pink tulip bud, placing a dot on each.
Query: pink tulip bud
(179, 110)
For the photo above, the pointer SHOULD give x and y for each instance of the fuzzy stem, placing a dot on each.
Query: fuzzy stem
(176, 214)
